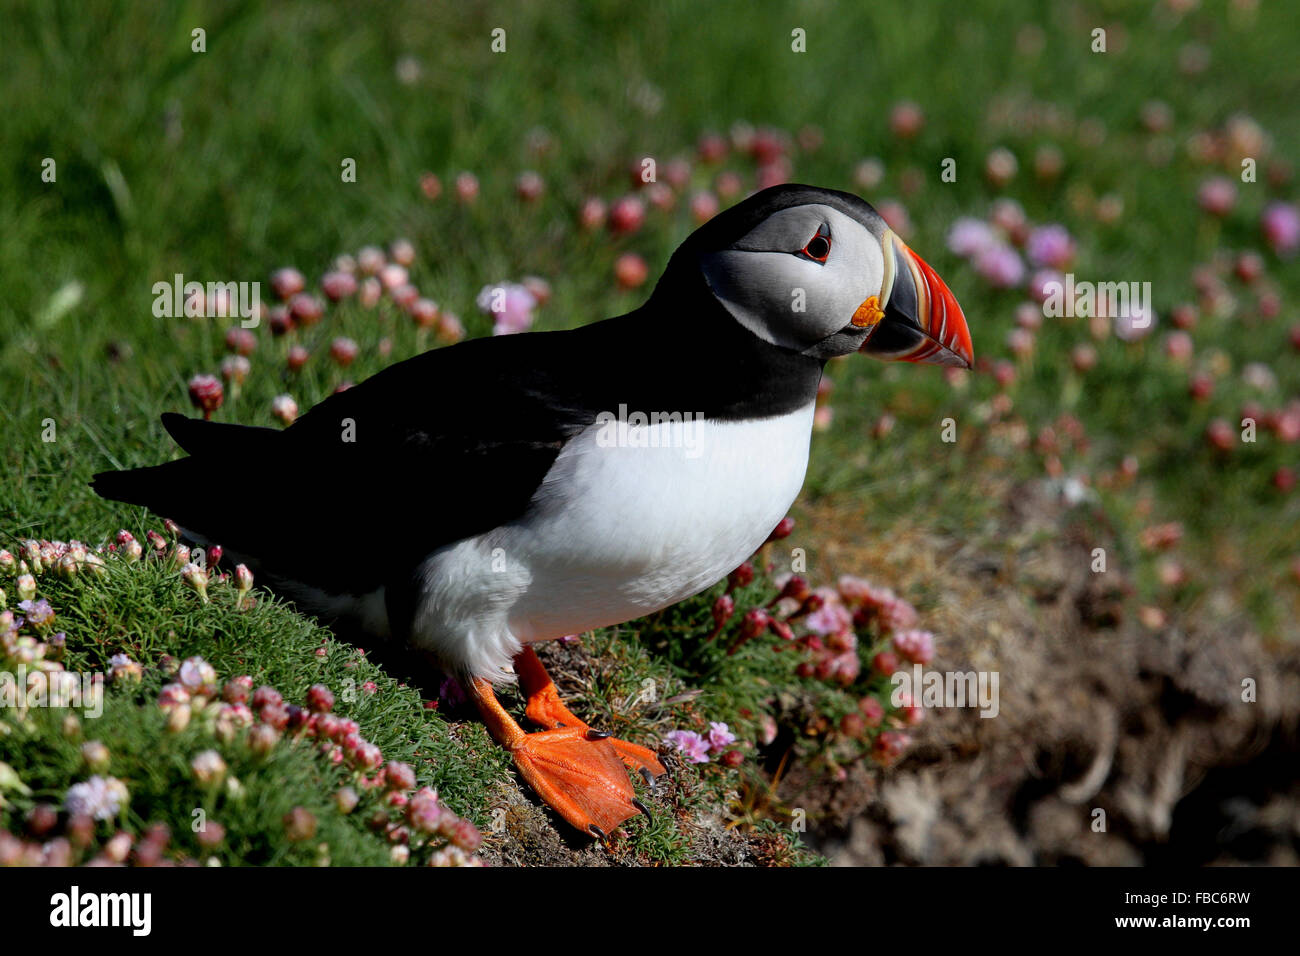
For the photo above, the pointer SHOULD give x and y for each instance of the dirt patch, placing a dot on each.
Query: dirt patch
(1117, 741)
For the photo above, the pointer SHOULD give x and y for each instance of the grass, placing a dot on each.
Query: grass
(224, 165)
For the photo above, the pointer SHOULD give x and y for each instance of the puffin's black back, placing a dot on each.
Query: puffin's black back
(454, 442)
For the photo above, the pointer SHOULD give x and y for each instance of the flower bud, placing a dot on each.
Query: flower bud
(95, 755)
(399, 776)
(723, 608)
(741, 577)
(209, 768)
(782, 530)
(262, 738)
(320, 699)
(178, 718)
(197, 579)
(206, 393)
(243, 583)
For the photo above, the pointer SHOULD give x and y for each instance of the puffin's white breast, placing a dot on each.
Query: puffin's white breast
(631, 518)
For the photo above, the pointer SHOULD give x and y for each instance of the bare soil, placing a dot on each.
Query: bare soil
(1100, 711)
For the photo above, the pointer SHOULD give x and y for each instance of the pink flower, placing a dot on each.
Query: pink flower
(1217, 195)
(235, 368)
(916, 646)
(306, 308)
(897, 614)
(855, 590)
(831, 617)
(1135, 323)
(287, 282)
(370, 259)
(529, 186)
(284, 408)
(466, 187)
(393, 276)
(344, 350)
(206, 393)
(1041, 284)
(630, 270)
(688, 742)
(906, 119)
(338, 284)
(720, 736)
(1000, 266)
(626, 215)
(704, 206)
(890, 745)
(402, 251)
(969, 237)
(1050, 246)
(198, 676)
(592, 213)
(895, 215)
(1280, 222)
(510, 305)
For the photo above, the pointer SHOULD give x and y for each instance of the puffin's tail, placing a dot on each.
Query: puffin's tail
(172, 489)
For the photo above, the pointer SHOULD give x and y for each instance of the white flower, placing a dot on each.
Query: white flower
(99, 797)
(197, 675)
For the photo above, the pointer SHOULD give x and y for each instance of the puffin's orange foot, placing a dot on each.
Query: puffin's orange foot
(547, 710)
(580, 775)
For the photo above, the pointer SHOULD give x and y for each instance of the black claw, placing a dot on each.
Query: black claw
(648, 777)
(596, 734)
(597, 832)
(642, 807)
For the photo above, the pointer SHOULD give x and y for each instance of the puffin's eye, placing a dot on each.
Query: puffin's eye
(819, 246)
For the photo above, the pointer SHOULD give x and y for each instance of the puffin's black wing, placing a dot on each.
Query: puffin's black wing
(443, 446)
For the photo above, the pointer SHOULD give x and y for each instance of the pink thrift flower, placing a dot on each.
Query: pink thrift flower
(691, 744)
(1217, 195)
(198, 676)
(338, 285)
(1043, 282)
(206, 393)
(855, 590)
(1050, 246)
(720, 736)
(287, 282)
(897, 614)
(1281, 225)
(969, 237)
(1135, 324)
(510, 305)
(1000, 266)
(831, 617)
(916, 646)
(284, 408)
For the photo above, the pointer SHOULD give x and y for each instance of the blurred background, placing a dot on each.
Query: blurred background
(478, 144)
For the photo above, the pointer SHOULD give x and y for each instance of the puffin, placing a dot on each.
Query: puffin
(519, 488)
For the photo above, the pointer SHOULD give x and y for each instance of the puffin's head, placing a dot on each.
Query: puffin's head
(819, 271)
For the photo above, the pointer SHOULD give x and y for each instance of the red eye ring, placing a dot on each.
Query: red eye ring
(818, 247)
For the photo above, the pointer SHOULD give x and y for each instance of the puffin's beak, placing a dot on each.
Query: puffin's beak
(917, 318)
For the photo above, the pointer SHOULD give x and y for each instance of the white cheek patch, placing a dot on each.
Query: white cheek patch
(766, 292)
(790, 300)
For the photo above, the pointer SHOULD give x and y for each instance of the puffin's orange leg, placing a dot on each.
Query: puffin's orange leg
(547, 710)
(577, 774)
